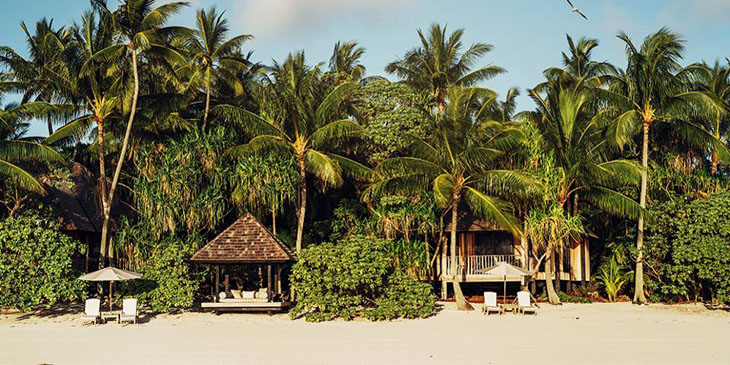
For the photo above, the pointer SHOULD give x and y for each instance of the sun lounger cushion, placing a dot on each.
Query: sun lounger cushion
(222, 295)
(236, 294)
(248, 294)
(262, 294)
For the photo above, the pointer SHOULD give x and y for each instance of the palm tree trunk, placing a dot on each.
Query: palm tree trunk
(714, 163)
(273, 219)
(639, 297)
(550, 269)
(302, 203)
(102, 180)
(125, 144)
(207, 99)
(461, 302)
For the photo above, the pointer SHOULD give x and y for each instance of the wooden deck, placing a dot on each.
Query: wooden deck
(477, 264)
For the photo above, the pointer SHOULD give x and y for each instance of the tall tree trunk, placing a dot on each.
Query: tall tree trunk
(550, 269)
(461, 302)
(302, 203)
(207, 98)
(639, 297)
(273, 219)
(714, 163)
(118, 170)
(102, 181)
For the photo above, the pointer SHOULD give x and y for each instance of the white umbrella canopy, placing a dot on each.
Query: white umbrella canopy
(509, 273)
(110, 274)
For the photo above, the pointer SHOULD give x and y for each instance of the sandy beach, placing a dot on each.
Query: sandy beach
(572, 333)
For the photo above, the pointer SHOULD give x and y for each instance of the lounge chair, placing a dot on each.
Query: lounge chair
(490, 303)
(524, 303)
(91, 311)
(129, 311)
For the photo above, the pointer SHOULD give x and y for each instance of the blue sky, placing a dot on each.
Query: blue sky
(527, 35)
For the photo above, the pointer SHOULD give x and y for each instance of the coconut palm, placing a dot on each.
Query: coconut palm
(345, 62)
(579, 69)
(47, 48)
(576, 138)
(141, 27)
(458, 162)
(15, 149)
(295, 119)
(214, 57)
(649, 92)
(715, 82)
(439, 63)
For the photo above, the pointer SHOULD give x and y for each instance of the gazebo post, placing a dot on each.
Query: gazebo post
(269, 292)
(217, 282)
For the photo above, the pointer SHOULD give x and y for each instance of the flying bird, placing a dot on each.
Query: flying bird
(576, 10)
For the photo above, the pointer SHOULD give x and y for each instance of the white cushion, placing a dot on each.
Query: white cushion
(262, 294)
(236, 294)
(248, 294)
(222, 295)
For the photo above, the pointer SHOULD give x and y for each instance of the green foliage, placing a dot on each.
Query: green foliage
(356, 278)
(35, 264)
(184, 185)
(264, 182)
(567, 298)
(613, 274)
(168, 281)
(688, 246)
(390, 112)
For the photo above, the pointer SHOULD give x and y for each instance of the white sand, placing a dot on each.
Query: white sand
(572, 333)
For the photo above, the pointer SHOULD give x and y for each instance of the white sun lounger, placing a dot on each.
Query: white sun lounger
(129, 311)
(523, 301)
(91, 311)
(490, 303)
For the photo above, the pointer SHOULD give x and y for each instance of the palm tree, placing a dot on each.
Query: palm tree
(579, 69)
(141, 26)
(439, 64)
(294, 119)
(575, 136)
(47, 48)
(14, 148)
(345, 62)
(714, 81)
(213, 56)
(651, 92)
(458, 163)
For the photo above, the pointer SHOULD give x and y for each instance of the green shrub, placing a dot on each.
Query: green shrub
(168, 282)
(688, 249)
(356, 277)
(35, 264)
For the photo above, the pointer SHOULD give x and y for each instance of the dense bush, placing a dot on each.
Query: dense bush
(168, 281)
(356, 277)
(688, 247)
(35, 264)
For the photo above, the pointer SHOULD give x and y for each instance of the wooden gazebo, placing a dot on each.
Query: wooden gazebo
(246, 242)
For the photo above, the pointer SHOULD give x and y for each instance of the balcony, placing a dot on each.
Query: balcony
(476, 265)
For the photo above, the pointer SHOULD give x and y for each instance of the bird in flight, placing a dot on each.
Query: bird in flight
(576, 10)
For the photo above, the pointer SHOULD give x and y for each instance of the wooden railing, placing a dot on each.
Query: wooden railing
(475, 265)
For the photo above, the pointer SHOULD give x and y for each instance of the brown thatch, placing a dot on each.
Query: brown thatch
(243, 242)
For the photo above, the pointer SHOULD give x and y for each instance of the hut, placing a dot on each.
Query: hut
(246, 242)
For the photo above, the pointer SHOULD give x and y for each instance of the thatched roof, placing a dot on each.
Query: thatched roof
(74, 205)
(244, 241)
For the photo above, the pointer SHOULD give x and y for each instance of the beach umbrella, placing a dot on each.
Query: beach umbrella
(110, 274)
(508, 272)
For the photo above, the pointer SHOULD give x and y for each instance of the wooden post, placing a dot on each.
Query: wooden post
(279, 268)
(217, 282)
(444, 288)
(269, 292)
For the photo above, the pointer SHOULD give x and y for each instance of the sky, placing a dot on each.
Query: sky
(528, 35)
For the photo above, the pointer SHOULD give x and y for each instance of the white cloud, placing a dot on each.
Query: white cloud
(271, 18)
(682, 15)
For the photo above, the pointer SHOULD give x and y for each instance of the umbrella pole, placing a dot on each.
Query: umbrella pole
(110, 296)
(504, 290)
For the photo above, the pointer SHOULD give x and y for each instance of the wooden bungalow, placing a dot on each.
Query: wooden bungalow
(246, 242)
(483, 244)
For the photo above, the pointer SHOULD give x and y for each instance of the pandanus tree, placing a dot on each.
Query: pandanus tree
(458, 162)
(650, 92)
(576, 137)
(214, 56)
(295, 119)
(440, 63)
(141, 27)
